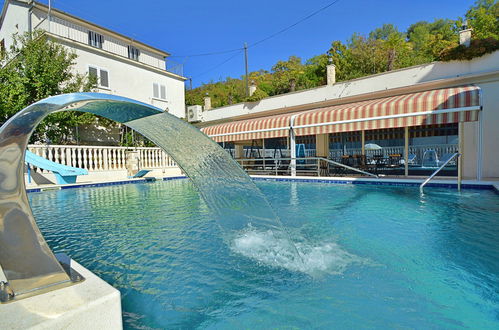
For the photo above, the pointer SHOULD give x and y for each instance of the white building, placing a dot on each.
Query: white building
(338, 119)
(124, 66)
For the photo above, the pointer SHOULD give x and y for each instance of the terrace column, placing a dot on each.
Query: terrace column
(322, 145)
(460, 159)
(239, 150)
(322, 150)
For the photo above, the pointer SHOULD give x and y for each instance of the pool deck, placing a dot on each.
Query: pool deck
(488, 183)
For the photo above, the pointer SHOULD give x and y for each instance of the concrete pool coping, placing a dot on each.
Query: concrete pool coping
(414, 182)
(91, 304)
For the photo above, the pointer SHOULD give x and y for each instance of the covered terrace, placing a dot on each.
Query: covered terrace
(404, 135)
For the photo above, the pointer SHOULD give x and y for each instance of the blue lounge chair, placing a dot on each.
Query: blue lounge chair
(63, 174)
(139, 174)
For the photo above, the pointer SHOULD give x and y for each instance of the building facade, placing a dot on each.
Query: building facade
(422, 115)
(123, 66)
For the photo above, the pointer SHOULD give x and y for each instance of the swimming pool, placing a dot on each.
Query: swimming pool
(373, 256)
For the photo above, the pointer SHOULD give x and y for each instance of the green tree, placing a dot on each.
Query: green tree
(341, 57)
(37, 68)
(315, 70)
(430, 39)
(483, 18)
(288, 75)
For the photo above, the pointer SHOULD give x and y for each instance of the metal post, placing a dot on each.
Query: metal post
(406, 151)
(48, 14)
(460, 159)
(292, 146)
(263, 153)
(246, 67)
(363, 141)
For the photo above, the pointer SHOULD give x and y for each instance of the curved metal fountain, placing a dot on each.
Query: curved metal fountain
(27, 262)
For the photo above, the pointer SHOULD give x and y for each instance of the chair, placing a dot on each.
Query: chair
(411, 160)
(394, 160)
(139, 174)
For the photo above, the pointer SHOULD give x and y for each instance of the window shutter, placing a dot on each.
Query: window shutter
(104, 79)
(155, 90)
(163, 92)
(92, 72)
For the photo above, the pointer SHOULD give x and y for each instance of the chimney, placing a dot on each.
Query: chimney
(331, 72)
(465, 35)
(292, 84)
(252, 87)
(207, 102)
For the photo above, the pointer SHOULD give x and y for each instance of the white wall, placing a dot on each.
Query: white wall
(15, 21)
(130, 79)
(490, 122)
(79, 32)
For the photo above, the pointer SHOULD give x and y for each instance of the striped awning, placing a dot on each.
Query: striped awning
(251, 129)
(440, 106)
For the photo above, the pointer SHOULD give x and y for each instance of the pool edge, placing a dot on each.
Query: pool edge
(467, 184)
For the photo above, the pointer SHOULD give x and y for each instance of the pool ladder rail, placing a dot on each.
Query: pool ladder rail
(457, 154)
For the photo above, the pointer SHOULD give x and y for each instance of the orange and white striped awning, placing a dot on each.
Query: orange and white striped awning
(251, 129)
(440, 106)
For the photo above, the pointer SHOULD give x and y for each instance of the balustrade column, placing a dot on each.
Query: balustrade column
(62, 156)
(100, 160)
(73, 157)
(104, 160)
(113, 159)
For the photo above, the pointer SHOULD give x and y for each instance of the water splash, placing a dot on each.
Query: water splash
(271, 248)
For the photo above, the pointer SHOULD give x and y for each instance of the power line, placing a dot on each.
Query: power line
(264, 39)
(210, 54)
(294, 24)
(218, 65)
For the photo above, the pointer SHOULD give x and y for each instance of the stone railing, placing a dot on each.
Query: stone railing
(98, 158)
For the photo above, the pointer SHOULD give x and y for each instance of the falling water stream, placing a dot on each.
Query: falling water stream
(242, 212)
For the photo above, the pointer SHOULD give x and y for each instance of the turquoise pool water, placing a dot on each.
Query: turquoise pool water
(373, 257)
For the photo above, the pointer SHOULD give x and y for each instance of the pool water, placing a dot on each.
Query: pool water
(371, 256)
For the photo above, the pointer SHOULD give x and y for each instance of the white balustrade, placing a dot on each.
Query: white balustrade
(100, 158)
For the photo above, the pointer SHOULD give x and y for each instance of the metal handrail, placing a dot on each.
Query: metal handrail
(242, 160)
(438, 170)
(346, 166)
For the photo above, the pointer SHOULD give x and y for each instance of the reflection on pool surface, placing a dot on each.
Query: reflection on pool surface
(372, 256)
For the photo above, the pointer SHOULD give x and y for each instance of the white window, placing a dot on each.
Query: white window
(101, 75)
(133, 53)
(95, 39)
(159, 91)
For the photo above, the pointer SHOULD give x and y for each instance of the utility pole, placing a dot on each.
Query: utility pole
(190, 83)
(48, 14)
(246, 67)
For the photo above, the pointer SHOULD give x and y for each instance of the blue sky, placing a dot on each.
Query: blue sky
(193, 27)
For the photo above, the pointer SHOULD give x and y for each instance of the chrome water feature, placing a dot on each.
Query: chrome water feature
(28, 264)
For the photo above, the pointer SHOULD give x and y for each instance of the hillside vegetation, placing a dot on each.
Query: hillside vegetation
(384, 49)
